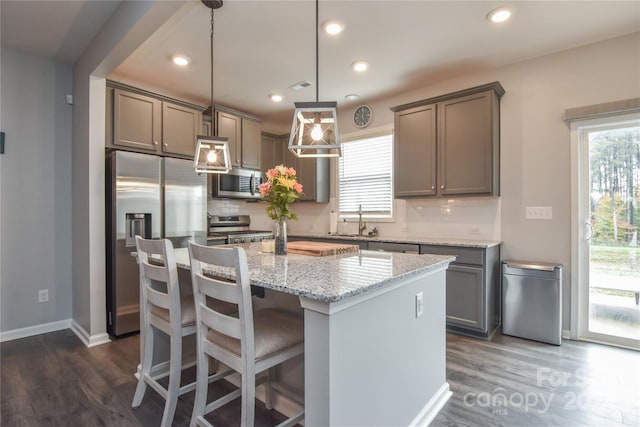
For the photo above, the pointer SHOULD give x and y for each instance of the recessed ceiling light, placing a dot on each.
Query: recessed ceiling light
(360, 66)
(499, 15)
(333, 27)
(351, 96)
(275, 97)
(181, 60)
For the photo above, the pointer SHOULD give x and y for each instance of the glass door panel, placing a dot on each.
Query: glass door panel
(613, 226)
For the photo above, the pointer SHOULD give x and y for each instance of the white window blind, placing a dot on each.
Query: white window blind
(365, 173)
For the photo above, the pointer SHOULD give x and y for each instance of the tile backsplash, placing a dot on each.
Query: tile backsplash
(464, 218)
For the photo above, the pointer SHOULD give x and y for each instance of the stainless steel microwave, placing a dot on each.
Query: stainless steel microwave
(237, 184)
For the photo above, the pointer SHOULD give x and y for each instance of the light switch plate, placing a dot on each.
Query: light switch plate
(539, 212)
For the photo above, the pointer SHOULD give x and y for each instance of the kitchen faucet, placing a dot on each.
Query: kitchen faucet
(361, 225)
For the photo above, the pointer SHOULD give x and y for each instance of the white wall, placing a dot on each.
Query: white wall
(35, 176)
(535, 162)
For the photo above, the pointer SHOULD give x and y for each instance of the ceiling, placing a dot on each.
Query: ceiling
(263, 47)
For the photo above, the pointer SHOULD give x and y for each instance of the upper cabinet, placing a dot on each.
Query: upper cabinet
(140, 121)
(312, 173)
(243, 133)
(449, 145)
(180, 126)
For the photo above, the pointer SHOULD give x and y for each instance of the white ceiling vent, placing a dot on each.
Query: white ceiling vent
(300, 85)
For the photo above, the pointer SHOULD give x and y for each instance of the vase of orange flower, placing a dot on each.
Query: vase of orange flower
(280, 190)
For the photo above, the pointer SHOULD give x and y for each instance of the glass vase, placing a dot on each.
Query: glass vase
(280, 236)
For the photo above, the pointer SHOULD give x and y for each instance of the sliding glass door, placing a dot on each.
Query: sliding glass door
(609, 218)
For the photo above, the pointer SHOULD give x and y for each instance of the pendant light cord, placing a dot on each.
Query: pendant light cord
(211, 64)
(317, 78)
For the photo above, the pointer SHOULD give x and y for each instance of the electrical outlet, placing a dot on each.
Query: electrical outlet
(419, 304)
(539, 212)
(43, 295)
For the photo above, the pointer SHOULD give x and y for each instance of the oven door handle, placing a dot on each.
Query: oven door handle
(251, 184)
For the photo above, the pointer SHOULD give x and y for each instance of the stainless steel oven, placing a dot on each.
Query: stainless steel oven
(237, 184)
(231, 229)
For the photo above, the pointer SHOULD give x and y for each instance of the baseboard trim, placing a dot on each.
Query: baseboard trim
(88, 340)
(30, 331)
(566, 334)
(433, 407)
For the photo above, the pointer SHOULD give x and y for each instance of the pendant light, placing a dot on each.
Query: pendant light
(314, 132)
(212, 152)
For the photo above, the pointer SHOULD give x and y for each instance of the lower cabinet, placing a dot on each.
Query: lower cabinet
(473, 289)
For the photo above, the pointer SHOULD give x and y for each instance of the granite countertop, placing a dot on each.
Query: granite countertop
(440, 241)
(328, 278)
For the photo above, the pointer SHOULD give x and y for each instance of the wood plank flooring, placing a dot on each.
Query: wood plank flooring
(53, 380)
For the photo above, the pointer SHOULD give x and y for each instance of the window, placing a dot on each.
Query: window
(365, 177)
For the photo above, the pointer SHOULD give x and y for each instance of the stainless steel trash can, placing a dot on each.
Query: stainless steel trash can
(532, 300)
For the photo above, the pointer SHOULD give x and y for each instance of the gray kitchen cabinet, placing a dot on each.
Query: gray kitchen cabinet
(313, 173)
(243, 135)
(180, 129)
(271, 151)
(405, 248)
(205, 129)
(449, 145)
(473, 289)
(251, 144)
(469, 144)
(137, 120)
(141, 121)
(230, 127)
(415, 152)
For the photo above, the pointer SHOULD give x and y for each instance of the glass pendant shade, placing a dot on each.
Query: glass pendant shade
(212, 155)
(314, 132)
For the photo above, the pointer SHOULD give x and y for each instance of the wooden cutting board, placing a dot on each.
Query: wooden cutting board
(320, 248)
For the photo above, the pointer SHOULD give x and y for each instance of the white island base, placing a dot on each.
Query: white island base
(371, 361)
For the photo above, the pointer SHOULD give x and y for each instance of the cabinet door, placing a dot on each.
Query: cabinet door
(205, 129)
(305, 171)
(271, 152)
(251, 140)
(415, 152)
(467, 139)
(137, 120)
(465, 297)
(230, 126)
(180, 126)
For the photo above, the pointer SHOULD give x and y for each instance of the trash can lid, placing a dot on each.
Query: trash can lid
(532, 265)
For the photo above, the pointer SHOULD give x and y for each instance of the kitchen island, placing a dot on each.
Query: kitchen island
(374, 332)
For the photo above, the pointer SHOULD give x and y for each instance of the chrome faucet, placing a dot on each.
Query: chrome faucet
(361, 225)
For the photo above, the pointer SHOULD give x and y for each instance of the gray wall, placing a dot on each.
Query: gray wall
(35, 181)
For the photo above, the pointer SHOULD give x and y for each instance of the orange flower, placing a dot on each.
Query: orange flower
(297, 187)
(290, 172)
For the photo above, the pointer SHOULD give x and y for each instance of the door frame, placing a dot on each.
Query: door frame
(580, 211)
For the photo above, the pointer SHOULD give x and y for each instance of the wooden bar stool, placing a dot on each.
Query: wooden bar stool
(251, 343)
(163, 309)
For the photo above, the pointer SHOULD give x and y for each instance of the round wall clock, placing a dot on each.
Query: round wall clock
(362, 116)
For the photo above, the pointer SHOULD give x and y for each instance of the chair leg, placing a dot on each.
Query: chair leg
(145, 368)
(202, 384)
(268, 391)
(175, 369)
(248, 396)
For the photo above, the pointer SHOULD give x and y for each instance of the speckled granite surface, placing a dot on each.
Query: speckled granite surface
(328, 278)
(469, 243)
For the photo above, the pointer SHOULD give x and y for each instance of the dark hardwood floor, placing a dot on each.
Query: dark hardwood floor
(53, 380)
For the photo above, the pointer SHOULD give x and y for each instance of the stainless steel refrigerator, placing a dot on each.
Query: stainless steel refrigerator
(152, 197)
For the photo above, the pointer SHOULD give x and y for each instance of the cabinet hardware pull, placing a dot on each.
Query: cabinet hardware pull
(155, 142)
(442, 187)
(433, 187)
